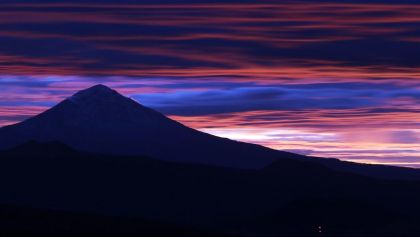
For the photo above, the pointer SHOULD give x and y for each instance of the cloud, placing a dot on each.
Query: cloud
(329, 78)
(341, 40)
(275, 97)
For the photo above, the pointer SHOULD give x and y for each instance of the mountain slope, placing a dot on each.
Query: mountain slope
(100, 120)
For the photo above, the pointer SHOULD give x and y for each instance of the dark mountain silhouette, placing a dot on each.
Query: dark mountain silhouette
(76, 192)
(99, 120)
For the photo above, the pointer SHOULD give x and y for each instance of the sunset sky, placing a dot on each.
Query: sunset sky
(323, 78)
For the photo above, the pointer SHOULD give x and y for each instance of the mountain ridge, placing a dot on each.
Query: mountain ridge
(100, 120)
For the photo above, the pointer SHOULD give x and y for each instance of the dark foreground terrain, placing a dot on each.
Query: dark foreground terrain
(53, 190)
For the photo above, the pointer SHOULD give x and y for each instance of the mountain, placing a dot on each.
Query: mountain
(100, 120)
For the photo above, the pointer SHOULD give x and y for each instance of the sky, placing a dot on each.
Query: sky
(323, 78)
